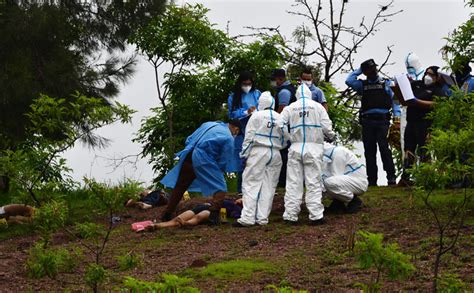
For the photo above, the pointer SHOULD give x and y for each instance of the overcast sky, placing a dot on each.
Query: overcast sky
(420, 28)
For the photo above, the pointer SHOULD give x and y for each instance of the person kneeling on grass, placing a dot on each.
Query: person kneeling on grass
(202, 163)
(200, 214)
(344, 179)
(17, 213)
(149, 199)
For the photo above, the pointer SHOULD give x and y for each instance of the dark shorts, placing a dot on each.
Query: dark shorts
(156, 198)
(200, 208)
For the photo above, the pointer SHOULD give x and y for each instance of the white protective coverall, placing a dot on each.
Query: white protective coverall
(343, 174)
(415, 72)
(309, 124)
(265, 135)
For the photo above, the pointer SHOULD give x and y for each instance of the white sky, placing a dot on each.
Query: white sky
(420, 29)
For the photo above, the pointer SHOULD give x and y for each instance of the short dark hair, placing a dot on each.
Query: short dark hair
(278, 73)
(306, 70)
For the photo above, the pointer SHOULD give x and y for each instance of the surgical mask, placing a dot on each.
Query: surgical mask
(308, 82)
(273, 83)
(246, 88)
(428, 80)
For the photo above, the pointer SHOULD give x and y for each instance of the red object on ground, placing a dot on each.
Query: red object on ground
(140, 226)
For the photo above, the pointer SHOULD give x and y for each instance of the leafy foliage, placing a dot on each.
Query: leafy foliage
(95, 275)
(62, 47)
(36, 167)
(168, 283)
(44, 261)
(204, 65)
(49, 218)
(385, 258)
(129, 261)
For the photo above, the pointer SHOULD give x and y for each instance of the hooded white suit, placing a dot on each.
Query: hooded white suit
(415, 71)
(265, 135)
(343, 174)
(309, 124)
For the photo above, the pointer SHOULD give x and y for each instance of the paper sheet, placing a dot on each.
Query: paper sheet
(405, 87)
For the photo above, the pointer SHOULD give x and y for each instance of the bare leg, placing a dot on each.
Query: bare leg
(197, 219)
(175, 222)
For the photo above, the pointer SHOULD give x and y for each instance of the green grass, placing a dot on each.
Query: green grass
(239, 269)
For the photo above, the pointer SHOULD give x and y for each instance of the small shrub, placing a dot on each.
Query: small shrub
(129, 261)
(49, 262)
(168, 283)
(285, 289)
(371, 252)
(95, 276)
(450, 283)
(49, 218)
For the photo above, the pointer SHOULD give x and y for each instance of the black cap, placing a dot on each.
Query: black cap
(278, 73)
(368, 64)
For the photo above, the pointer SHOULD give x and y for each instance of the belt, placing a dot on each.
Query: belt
(376, 116)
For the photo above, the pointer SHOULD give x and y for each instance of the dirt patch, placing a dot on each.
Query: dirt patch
(304, 257)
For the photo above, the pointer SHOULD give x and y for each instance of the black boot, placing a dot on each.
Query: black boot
(354, 205)
(318, 222)
(336, 207)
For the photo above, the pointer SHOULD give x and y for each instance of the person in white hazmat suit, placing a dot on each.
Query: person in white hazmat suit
(265, 135)
(309, 125)
(415, 71)
(344, 179)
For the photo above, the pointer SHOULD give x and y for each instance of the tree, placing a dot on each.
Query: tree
(59, 47)
(451, 147)
(36, 167)
(203, 64)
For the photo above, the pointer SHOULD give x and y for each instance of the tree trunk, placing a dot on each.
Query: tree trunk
(4, 184)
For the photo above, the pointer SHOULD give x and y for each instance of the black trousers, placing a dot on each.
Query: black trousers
(374, 132)
(415, 140)
(284, 159)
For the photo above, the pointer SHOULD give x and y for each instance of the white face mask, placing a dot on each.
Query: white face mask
(273, 83)
(308, 82)
(428, 80)
(246, 88)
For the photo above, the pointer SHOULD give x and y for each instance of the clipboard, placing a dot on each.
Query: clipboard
(402, 89)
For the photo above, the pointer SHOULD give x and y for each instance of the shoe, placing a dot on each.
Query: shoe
(336, 207)
(354, 205)
(291, 223)
(167, 217)
(392, 181)
(236, 224)
(318, 222)
(405, 183)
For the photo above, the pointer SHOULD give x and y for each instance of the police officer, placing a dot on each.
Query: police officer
(377, 101)
(285, 95)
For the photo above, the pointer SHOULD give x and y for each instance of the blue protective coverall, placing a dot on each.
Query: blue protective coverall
(248, 100)
(211, 145)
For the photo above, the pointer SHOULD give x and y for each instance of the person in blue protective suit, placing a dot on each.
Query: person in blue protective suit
(241, 103)
(284, 96)
(464, 79)
(375, 117)
(309, 126)
(344, 179)
(265, 136)
(201, 166)
(306, 77)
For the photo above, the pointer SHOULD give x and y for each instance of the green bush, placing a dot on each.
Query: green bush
(129, 261)
(95, 276)
(385, 258)
(450, 283)
(168, 283)
(44, 261)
